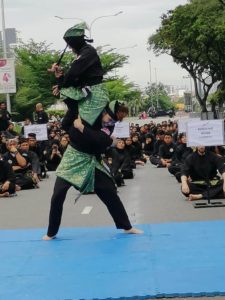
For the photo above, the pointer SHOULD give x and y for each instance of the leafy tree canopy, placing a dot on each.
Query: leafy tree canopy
(34, 82)
(194, 35)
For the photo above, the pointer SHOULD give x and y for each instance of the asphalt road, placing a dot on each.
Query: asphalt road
(153, 196)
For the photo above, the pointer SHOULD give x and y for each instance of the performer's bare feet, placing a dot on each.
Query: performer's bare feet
(134, 230)
(193, 197)
(48, 238)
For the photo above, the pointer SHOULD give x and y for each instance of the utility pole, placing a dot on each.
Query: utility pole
(5, 51)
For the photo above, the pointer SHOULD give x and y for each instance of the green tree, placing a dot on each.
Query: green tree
(194, 35)
(157, 97)
(34, 82)
(111, 61)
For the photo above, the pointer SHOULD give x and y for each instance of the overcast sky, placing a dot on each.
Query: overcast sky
(35, 19)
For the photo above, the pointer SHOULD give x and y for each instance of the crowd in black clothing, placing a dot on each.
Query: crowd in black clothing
(200, 170)
(26, 161)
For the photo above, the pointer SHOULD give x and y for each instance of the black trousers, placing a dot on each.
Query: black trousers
(11, 189)
(213, 192)
(105, 190)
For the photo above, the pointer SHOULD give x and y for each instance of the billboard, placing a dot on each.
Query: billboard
(7, 76)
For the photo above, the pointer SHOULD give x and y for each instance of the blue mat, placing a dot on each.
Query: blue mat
(175, 259)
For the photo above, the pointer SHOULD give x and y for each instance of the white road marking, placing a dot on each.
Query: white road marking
(86, 210)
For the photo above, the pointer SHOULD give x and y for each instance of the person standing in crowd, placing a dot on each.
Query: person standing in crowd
(166, 151)
(4, 117)
(40, 116)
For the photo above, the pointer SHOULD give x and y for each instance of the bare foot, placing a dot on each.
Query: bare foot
(193, 197)
(6, 194)
(47, 238)
(134, 230)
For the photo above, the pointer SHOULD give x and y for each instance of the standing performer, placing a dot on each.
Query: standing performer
(81, 165)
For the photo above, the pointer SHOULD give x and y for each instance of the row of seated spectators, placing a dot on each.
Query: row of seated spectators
(200, 170)
(142, 145)
(25, 161)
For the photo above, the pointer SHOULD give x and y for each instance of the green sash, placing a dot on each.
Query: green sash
(78, 168)
(90, 105)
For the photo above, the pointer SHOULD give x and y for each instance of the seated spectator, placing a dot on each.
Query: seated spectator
(20, 165)
(138, 155)
(166, 151)
(199, 178)
(10, 133)
(154, 159)
(3, 148)
(130, 148)
(53, 156)
(38, 148)
(120, 163)
(7, 179)
(63, 144)
(33, 163)
(181, 152)
(148, 146)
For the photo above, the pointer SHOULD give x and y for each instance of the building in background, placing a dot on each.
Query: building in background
(11, 39)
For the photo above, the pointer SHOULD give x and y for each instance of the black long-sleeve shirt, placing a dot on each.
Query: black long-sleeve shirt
(166, 151)
(86, 69)
(120, 160)
(92, 141)
(4, 119)
(6, 172)
(202, 167)
(181, 152)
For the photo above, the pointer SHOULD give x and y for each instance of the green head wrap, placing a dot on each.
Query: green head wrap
(76, 31)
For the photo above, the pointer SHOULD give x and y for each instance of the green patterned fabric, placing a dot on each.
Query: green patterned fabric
(90, 106)
(78, 168)
(212, 182)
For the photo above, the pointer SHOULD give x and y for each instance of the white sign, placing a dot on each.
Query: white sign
(182, 124)
(205, 133)
(7, 76)
(40, 130)
(121, 130)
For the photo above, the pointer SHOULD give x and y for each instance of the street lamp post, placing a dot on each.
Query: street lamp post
(62, 18)
(128, 47)
(92, 22)
(114, 15)
(5, 51)
(150, 71)
(157, 96)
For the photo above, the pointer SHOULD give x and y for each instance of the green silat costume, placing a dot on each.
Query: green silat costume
(84, 86)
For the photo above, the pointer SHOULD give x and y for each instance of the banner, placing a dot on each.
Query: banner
(40, 130)
(205, 133)
(121, 130)
(182, 124)
(7, 76)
